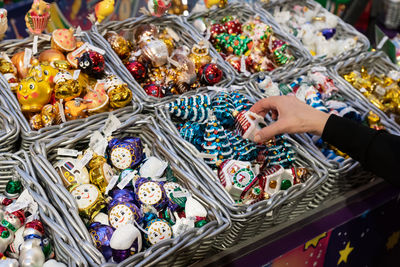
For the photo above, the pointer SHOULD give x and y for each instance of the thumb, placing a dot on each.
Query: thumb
(268, 132)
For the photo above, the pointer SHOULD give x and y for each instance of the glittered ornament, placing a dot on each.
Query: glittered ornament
(157, 230)
(153, 90)
(240, 102)
(122, 213)
(13, 188)
(144, 32)
(13, 220)
(193, 133)
(121, 195)
(101, 174)
(118, 92)
(101, 235)
(215, 30)
(68, 90)
(233, 27)
(5, 238)
(137, 70)
(126, 152)
(150, 193)
(210, 74)
(158, 7)
(280, 152)
(243, 149)
(200, 55)
(216, 143)
(193, 108)
(92, 63)
(222, 106)
(235, 44)
(119, 44)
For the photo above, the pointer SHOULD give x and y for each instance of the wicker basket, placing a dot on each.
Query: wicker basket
(378, 63)
(343, 29)
(9, 128)
(243, 12)
(249, 220)
(129, 25)
(19, 165)
(192, 245)
(344, 176)
(28, 135)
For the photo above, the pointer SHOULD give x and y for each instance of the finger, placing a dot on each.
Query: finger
(263, 106)
(274, 115)
(268, 132)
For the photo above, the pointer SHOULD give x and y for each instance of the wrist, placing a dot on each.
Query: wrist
(318, 122)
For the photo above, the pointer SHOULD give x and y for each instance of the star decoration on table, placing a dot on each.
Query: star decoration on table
(314, 242)
(393, 240)
(344, 253)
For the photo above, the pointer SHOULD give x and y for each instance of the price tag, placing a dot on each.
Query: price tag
(125, 181)
(27, 57)
(76, 74)
(35, 44)
(46, 37)
(78, 31)
(177, 194)
(98, 143)
(61, 110)
(85, 159)
(111, 125)
(68, 152)
(112, 183)
(79, 50)
(16, 206)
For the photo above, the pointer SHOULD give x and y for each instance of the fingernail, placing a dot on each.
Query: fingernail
(257, 139)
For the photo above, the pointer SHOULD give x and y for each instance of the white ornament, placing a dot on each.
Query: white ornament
(85, 195)
(194, 208)
(153, 168)
(124, 236)
(102, 218)
(53, 263)
(150, 193)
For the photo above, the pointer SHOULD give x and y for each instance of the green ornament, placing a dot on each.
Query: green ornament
(167, 216)
(47, 247)
(5, 234)
(181, 201)
(14, 187)
(169, 174)
(226, 19)
(284, 88)
(200, 223)
(285, 184)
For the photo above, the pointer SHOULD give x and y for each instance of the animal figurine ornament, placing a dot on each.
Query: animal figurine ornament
(33, 94)
(3, 22)
(103, 9)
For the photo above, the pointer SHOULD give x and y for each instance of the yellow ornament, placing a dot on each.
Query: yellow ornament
(75, 109)
(43, 71)
(101, 174)
(200, 55)
(33, 94)
(118, 92)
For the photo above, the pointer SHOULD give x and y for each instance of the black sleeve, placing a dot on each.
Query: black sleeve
(377, 151)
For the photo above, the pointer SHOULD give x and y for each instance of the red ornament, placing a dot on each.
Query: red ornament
(235, 62)
(215, 30)
(137, 70)
(35, 224)
(153, 89)
(233, 27)
(92, 63)
(210, 74)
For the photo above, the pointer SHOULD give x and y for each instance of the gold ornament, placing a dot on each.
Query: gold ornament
(75, 109)
(33, 94)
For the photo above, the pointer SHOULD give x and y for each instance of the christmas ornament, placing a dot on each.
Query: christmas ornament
(97, 99)
(89, 200)
(280, 152)
(3, 22)
(13, 189)
(157, 230)
(144, 32)
(248, 124)
(150, 193)
(122, 213)
(200, 55)
(70, 175)
(235, 44)
(233, 27)
(125, 241)
(153, 168)
(119, 44)
(155, 52)
(19, 63)
(100, 173)
(63, 40)
(67, 89)
(215, 30)
(31, 253)
(211, 3)
(153, 90)
(37, 17)
(51, 55)
(103, 9)
(118, 92)
(216, 143)
(210, 74)
(223, 108)
(158, 7)
(33, 94)
(137, 70)
(75, 109)
(92, 63)
(243, 149)
(193, 133)
(125, 152)
(193, 108)
(101, 235)
(240, 102)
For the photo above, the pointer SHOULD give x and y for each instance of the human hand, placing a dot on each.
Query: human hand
(293, 116)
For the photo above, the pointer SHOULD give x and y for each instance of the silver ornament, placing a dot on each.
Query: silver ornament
(31, 253)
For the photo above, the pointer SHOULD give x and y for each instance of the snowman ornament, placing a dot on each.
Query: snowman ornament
(89, 200)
